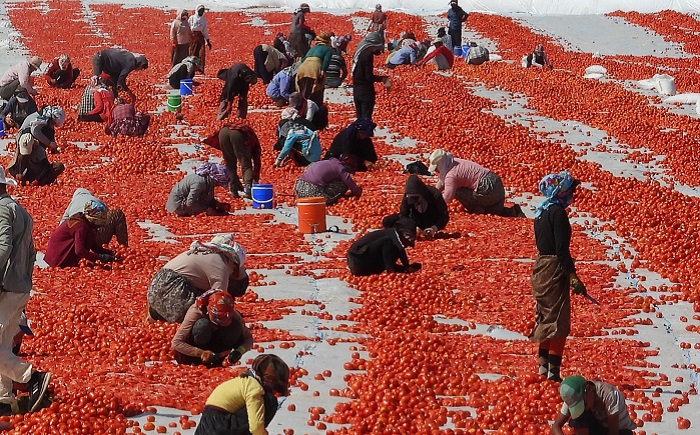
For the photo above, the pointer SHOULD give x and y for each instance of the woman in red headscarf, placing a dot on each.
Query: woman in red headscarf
(211, 331)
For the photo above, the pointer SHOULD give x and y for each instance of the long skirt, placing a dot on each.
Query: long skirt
(309, 81)
(198, 47)
(179, 52)
(488, 198)
(170, 295)
(332, 192)
(550, 287)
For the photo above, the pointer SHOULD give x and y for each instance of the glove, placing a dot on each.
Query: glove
(105, 258)
(236, 354)
(577, 286)
(209, 44)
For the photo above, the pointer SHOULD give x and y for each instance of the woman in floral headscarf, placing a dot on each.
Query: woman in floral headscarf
(74, 239)
(211, 331)
(217, 264)
(194, 194)
(60, 73)
(553, 273)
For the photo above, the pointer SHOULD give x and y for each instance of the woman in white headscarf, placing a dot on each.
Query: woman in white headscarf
(200, 35)
(217, 264)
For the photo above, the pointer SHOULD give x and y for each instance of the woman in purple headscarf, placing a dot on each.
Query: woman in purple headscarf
(194, 194)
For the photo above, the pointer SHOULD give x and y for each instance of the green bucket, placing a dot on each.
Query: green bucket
(174, 101)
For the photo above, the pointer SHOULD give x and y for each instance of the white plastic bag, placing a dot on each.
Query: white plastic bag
(688, 98)
(665, 84)
(596, 69)
(523, 61)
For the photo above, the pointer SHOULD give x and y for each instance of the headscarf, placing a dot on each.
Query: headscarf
(56, 113)
(221, 244)
(373, 39)
(552, 186)
(363, 125)
(95, 211)
(216, 171)
(63, 61)
(323, 38)
(290, 113)
(272, 372)
(442, 161)
(218, 304)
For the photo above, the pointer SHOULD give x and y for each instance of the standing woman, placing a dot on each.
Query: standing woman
(246, 404)
(180, 36)
(456, 16)
(553, 273)
(200, 35)
(363, 76)
(377, 22)
(298, 30)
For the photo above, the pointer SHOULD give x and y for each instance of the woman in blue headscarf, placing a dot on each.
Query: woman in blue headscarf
(553, 273)
(194, 194)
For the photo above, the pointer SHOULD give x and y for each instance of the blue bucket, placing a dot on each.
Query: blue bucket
(262, 195)
(465, 50)
(2, 128)
(186, 87)
(458, 50)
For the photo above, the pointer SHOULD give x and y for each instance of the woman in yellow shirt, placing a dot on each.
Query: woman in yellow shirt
(248, 403)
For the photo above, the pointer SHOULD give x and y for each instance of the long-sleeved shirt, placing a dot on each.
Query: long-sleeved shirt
(70, 242)
(117, 64)
(206, 271)
(36, 125)
(363, 76)
(19, 71)
(19, 114)
(104, 101)
(17, 254)
(274, 58)
(320, 51)
(337, 70)
(456, 16)
(194, 192)
(370, 248)
(54, 67)
(404, 55)
(180, 30)
(436, 210)
(321, 173)
(309, 144)
(236, 332)
(199, 24)
(463, 173)
(346, 142)
(299, 24)
(281, 85)
(553, 236)
(236, 393)
(444, 58)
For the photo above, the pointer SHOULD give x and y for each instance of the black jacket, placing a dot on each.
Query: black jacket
(345, 142)
(376, 252)
(436, 213)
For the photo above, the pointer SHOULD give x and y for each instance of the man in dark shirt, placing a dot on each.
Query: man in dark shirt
(117, 64)
(379, 250)
(363, 75)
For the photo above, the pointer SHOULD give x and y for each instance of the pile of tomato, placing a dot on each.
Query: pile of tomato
(109, 365)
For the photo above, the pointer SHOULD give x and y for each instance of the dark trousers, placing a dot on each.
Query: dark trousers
(456, 35)
(233, 148)
(216, 421)
(260, 56)
(364, 105)
(90, 118)
(588, 421)
(7, 91)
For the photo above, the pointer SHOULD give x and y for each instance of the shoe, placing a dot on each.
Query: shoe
(5, 409)
(248, 191)
(37, 386)
(518, 211)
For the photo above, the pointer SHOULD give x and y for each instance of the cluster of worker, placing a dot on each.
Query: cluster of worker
(197, 288)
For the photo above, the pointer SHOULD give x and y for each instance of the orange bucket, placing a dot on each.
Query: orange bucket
(312, 214)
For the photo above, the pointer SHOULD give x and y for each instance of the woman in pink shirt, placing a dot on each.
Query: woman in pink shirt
(479, 190)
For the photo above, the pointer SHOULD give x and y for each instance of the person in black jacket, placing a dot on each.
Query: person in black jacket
(553, 273)
(117, 64)
(237, 80)
(363, 77)
(379, 250)
(356, 140)
(424, 205)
